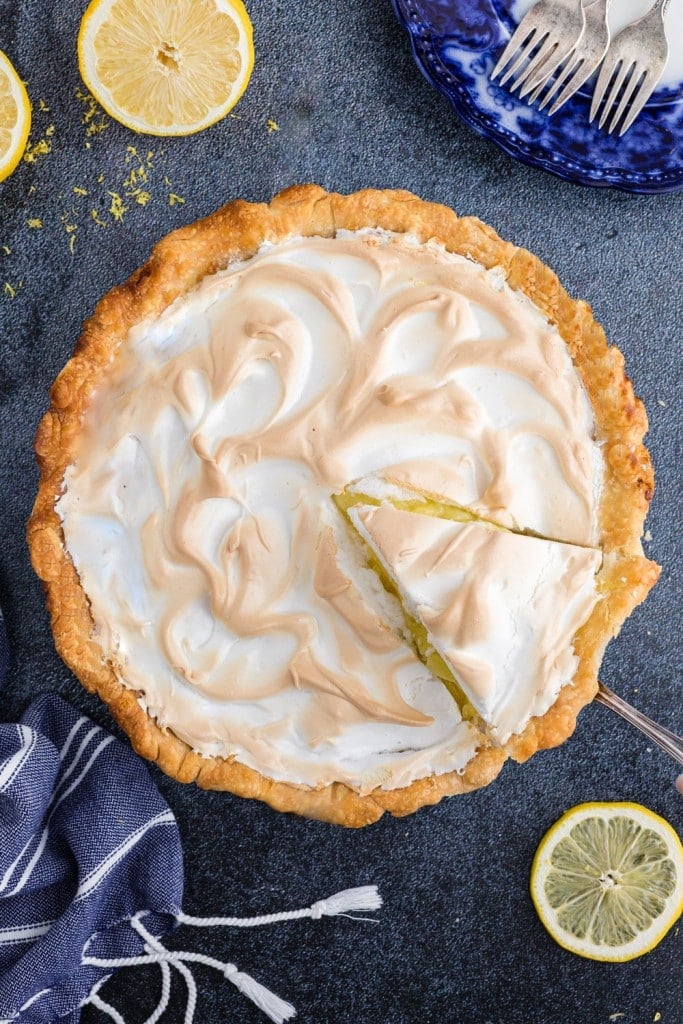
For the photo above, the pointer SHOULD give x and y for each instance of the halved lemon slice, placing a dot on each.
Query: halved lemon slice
(166, 67)
(15, 117)
(607, 880)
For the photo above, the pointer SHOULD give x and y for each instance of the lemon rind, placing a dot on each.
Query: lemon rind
(18, 146)
(618, 954)
(86, 33)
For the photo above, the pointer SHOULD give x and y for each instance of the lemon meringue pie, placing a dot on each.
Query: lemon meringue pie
(341, 500)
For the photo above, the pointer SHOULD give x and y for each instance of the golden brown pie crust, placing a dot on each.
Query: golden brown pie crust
(177, 264)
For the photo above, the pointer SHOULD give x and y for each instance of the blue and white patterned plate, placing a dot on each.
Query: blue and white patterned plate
(456, 44)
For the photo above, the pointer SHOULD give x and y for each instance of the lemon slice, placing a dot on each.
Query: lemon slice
(166, 67)
(15, 117)
(607, 880)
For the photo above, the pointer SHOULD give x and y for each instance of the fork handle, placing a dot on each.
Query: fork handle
(669, 742)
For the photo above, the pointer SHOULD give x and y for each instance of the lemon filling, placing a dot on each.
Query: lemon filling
(415, 630)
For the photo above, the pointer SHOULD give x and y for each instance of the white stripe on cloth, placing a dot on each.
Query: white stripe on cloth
(29, 1002)
(28, 870)
(16, 762)
(93, 757)
(74, 764)
(91, 881)
(27, 734)
(24, 933)
(70, 738)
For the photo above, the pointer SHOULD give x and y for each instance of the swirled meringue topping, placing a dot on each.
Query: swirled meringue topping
(223, 584)
(500, 608)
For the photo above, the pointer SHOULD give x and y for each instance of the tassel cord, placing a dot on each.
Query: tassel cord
(165, 994)
(277, 1009)
(345, 903)
(107, 1008)
(152, 942)
(364, 897)
(171, 957)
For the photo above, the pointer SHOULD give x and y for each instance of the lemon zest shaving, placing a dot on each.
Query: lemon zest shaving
(70, 226)
(136, 175)
(272, 126)
(36, 150)
(34, 222)
(93, 118)
(118, 207)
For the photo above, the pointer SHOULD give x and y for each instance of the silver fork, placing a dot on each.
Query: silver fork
(664, 738)
(579, 64)
(549, 30)
(635, 62)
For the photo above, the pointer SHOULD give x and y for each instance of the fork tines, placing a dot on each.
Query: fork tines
(559, 43)
(618, 87)
(533, 46)
(580, 63)
(632, 68)
(541, 42)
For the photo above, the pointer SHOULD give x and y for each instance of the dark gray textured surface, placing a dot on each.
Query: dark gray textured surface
(458, 939)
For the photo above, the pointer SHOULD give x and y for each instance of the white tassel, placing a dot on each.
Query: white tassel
(364, 897)
(277, 1009)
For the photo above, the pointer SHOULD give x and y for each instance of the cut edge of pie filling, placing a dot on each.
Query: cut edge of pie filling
(363, 499)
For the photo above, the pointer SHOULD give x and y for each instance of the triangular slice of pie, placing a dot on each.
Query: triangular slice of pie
(500, 608)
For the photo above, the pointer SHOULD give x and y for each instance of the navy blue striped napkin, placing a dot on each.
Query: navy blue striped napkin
(91, 873)
(86, 843)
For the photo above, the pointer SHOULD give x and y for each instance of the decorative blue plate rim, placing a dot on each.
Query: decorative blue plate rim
(455, 44)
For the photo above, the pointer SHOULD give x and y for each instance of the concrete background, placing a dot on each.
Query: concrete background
(458, 939)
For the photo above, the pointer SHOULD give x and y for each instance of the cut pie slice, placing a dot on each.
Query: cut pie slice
(500, 608)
